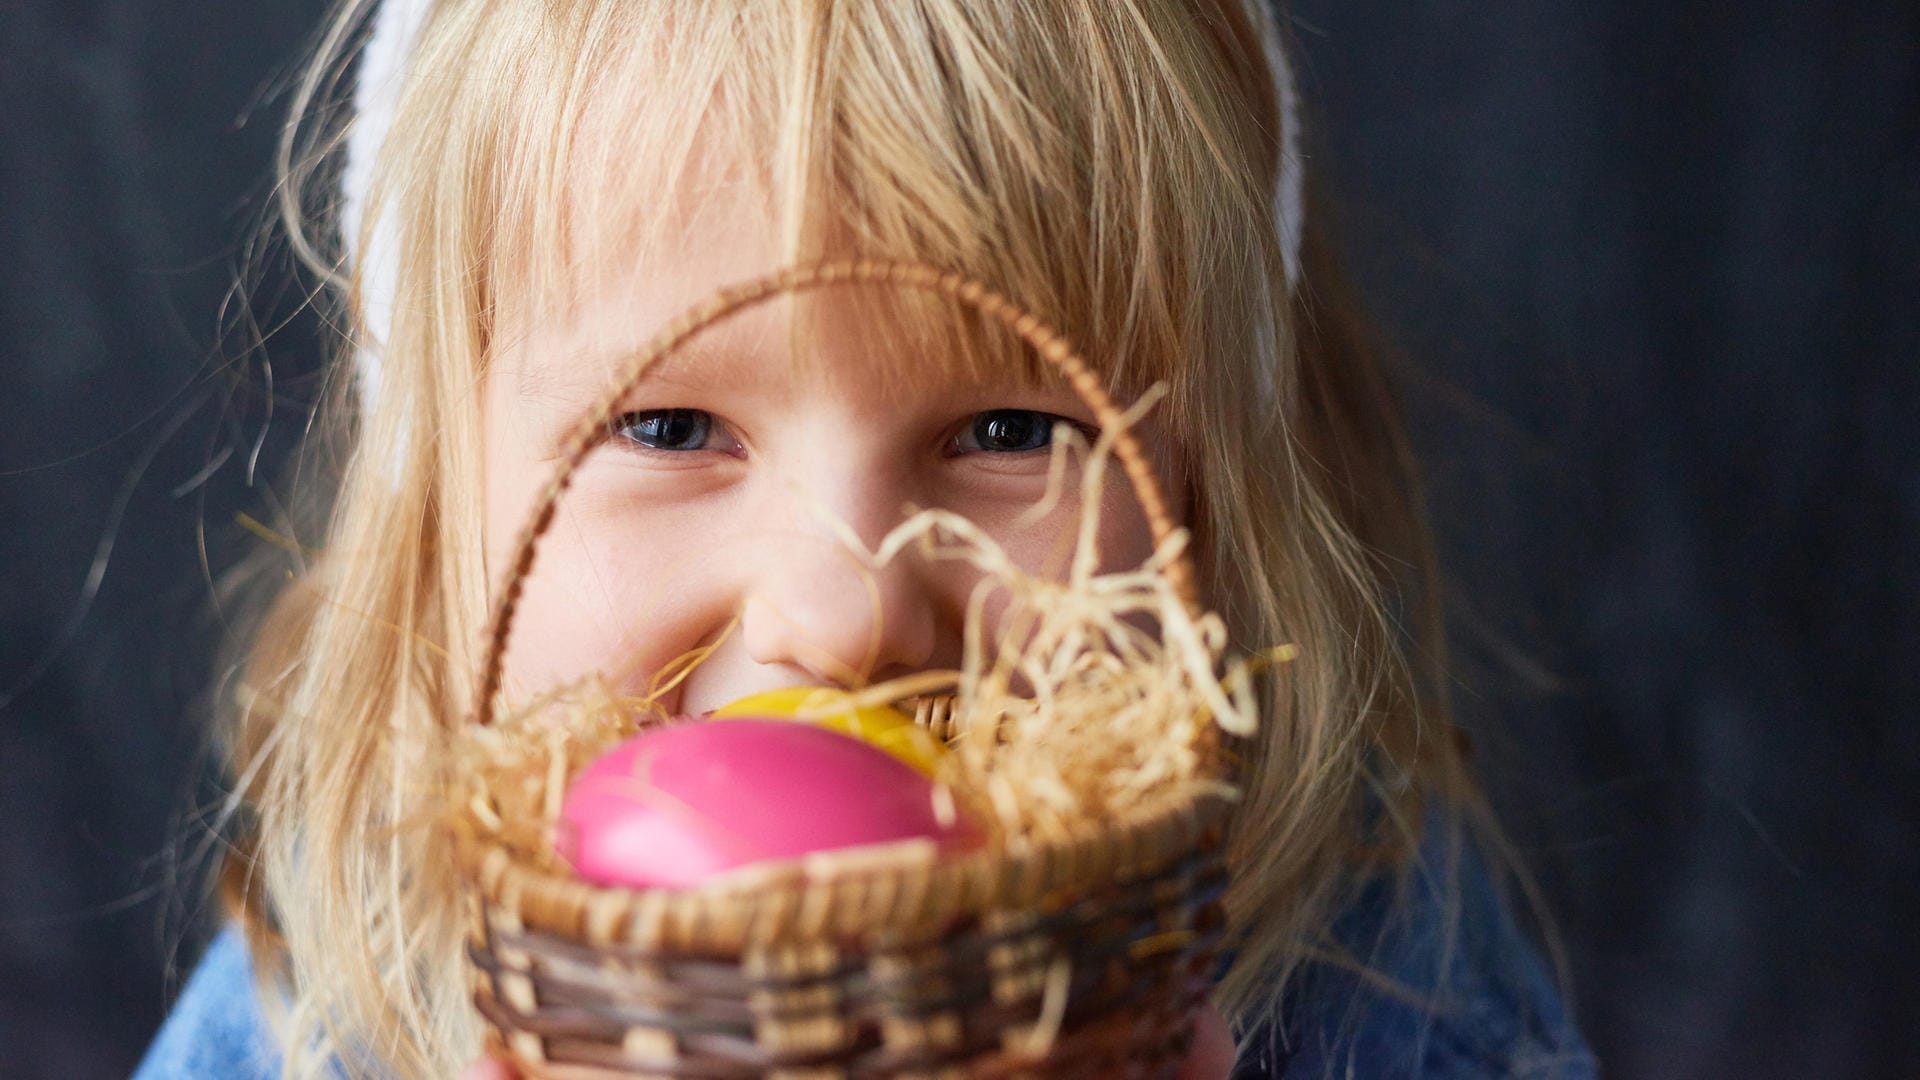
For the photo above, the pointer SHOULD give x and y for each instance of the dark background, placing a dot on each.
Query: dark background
(1655, 269)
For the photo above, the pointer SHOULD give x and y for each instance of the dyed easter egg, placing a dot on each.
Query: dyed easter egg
(889, 729)
(674, 806)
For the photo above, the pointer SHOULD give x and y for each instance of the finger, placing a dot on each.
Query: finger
(1211, 1055)
(490, 1069)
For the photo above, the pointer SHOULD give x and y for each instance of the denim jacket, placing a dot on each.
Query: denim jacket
(1442, 999)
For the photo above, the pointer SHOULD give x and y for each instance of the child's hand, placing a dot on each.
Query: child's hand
(1211, 1055)
(1210, 1059)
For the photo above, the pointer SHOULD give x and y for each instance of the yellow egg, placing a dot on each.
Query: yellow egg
(877, 725)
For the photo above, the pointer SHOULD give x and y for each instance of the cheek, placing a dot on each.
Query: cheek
(1045, 548)
(614, 591)
(1122, 536)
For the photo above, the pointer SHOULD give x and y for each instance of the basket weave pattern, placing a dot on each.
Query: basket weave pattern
(1084, 957)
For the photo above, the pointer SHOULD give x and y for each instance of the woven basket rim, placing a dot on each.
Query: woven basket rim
(903, 890)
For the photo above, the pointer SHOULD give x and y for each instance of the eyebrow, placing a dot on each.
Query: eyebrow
(584, 380)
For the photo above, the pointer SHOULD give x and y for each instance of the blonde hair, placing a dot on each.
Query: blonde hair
(1110, 163)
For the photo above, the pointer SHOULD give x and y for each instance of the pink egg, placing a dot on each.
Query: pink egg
(674, 806)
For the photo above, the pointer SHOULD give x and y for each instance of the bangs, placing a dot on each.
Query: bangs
(1021, 144)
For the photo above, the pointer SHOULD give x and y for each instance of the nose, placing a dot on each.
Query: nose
(817, 607)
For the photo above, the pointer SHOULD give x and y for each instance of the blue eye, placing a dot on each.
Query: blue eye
(666, 429)
(1010, 431)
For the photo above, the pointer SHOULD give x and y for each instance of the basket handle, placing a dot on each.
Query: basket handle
(1036, 333)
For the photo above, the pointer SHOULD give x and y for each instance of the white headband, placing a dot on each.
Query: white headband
(376, 93)
(396, 25)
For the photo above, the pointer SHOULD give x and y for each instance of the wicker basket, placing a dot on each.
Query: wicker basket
(1085, 957)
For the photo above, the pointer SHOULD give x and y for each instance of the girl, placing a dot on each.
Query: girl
(533, 186)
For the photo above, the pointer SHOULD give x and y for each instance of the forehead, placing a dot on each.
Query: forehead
(693, 152)
(646, 240)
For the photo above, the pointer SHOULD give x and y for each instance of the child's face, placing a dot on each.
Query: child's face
(712, 499)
